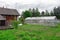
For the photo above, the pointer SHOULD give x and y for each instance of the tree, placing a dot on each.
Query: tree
(51, 13)
(57, 12)
(26, 14)
(42, 13)
(30, 11)
(15, 24)
(35, 12)
(47, 13)
(21, 19)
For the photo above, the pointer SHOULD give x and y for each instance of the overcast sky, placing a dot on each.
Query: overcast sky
(25, 4)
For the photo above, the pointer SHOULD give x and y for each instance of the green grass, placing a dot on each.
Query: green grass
(31, 32)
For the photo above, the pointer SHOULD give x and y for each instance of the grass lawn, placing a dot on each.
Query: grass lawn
(31, 32)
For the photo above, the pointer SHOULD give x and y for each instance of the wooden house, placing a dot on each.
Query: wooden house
(7, 15)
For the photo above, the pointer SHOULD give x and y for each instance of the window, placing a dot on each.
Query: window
(2, 22)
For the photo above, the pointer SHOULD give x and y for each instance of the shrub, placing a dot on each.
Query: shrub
(15, 24)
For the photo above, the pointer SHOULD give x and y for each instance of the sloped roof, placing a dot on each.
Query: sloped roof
(2, 18)
(6, 11)
(37, 18)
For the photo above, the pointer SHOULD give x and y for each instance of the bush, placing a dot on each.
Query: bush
(15, 24)
(21, 20)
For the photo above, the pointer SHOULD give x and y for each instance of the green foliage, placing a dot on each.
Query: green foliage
(7, 35)
(57, 12)
(35, 12)
(15, 24)
(21, 20)
(31, 32)
(43, 13)
(31, 13)
(47, 13)
(26, 14)
(52, 14)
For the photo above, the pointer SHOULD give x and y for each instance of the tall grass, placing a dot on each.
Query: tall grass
(31, 32)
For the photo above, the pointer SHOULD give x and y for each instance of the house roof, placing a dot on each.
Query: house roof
(2, 18)
(6, 11)
(37, 18)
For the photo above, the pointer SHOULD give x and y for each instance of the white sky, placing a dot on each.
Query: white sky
(25, 4)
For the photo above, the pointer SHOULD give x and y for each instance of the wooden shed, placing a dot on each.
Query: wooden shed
(7, 15)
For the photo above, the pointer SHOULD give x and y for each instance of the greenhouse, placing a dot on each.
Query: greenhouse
(46, 20)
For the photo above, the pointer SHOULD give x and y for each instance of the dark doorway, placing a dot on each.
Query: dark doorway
(2, 22)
